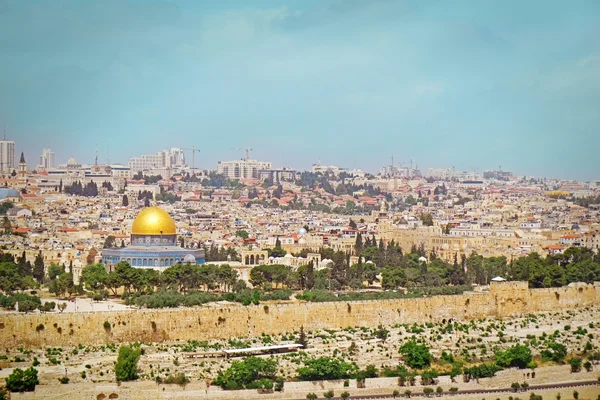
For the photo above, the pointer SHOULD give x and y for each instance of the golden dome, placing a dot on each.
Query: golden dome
(153, 221)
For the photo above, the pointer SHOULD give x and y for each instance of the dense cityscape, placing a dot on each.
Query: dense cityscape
(319, 199)
(158, 233)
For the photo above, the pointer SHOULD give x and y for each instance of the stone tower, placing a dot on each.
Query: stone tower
(22, 167)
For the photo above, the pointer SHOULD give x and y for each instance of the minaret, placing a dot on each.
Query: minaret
(22, 167)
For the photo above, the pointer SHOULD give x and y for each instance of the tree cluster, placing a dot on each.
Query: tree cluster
(89, 190)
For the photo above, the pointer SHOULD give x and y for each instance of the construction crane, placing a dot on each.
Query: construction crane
(247, 150)
(194, 150)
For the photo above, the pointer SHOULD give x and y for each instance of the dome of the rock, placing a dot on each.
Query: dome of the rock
(153, 221)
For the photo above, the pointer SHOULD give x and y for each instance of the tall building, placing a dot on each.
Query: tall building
(47, 159)
(173, 158)
(7, 156)
(239, 169)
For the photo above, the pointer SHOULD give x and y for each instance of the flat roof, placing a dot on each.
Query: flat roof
(263, 348)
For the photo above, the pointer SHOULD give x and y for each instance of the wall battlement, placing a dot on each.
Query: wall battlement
(223, 321)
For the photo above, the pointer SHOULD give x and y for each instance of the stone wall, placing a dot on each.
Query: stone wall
(224, 321)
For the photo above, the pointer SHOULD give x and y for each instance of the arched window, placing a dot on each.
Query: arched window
(133, 263)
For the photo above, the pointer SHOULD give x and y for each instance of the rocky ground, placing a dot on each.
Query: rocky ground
(469, 341)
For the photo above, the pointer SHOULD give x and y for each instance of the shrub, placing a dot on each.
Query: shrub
(555, 352)
(177, 379)
(311, 396)
(22, 381)
(64, 380)
(453, 389)
(516, 356)
(107, 325)
(428, 377)
(480, 371)
(427, 391)
(328, 394)
(39, 328)
(416, 355)
(126, 366)
(575, 364)
(325, 368)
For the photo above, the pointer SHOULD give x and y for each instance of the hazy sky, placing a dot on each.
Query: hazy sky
(471, 84)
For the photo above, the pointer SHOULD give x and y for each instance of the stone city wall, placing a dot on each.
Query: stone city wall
(225, 321)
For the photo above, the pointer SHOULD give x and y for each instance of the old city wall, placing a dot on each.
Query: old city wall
(224, 321)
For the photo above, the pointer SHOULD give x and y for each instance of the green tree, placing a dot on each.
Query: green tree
(126, 366)
(416, 355)
(243, 374)
(10, 279)
(555, 352)
(38, 268)
(344, 395)
(393, 278)
(7, 225)
(62, 284)
(302, 338)
(325, 368)
(22, 381)
(110, 242)
(427, 219)
(329, 394)
(516, 356)
(575, 364)
(94, 276)
(242, 233)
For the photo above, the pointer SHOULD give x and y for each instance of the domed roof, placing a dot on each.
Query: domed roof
(153, 221)
(189, 259)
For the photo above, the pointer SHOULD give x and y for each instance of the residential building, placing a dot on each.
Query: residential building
(242, 169)
(7, 156)
(46, 159)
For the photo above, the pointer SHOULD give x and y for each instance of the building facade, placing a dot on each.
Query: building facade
(47, 159)
(173, 158)
(7, 156)
(242, 169)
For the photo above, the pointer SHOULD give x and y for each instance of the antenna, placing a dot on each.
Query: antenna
(96, 160)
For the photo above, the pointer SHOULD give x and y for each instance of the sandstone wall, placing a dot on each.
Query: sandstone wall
(224, 321)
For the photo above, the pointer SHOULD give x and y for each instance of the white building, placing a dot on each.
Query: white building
(173, 158)
(278, 175)
(244, 168)
(7, 156)
(323, 169)
(47, 159)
